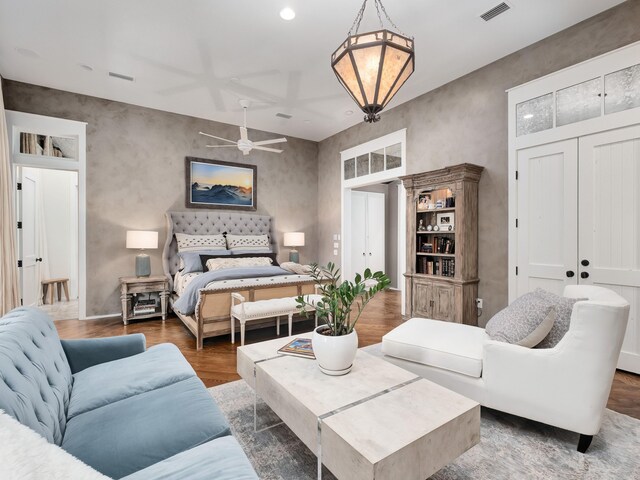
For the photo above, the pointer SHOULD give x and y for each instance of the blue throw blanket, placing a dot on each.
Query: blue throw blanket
(186, 304)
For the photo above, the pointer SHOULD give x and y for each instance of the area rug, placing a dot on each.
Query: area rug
(511, 448)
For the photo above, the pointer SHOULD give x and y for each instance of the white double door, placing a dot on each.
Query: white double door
(367, 231)
(579, 220)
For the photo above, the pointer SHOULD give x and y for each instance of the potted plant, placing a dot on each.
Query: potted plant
(335, 341)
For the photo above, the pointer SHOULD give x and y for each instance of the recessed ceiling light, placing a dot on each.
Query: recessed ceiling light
(27, 53)
(287, 14)
(86, 67)
(528, 116)
(349, 112)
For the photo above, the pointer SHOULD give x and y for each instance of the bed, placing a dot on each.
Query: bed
(211, 315)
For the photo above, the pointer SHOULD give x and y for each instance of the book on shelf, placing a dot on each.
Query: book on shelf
(143, 311)
(298, 347)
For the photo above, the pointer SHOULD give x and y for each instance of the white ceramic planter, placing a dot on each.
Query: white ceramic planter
(334, 354)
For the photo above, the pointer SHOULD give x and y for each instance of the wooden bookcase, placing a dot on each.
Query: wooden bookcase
(442, 263)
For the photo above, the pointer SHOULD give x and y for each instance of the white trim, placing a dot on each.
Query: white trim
(393, 138)
(26, 122)
(593, 68)
(99, 317)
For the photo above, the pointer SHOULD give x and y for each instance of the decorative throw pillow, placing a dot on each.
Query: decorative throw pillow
(564, 307)
(525, 322)
(214, 264)
(190, 262)
(206, 257)
(194, 243)
(247, 242)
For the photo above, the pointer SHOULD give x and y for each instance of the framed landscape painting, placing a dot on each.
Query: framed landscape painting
(216, 184)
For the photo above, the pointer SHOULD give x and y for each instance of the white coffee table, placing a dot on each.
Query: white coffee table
(379, 421)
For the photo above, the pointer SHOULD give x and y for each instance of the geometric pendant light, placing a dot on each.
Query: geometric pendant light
(373, 66)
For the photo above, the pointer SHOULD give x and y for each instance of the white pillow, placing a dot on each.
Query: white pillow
(195, 243)
(223, 263)
(27, 455)
(247, 242)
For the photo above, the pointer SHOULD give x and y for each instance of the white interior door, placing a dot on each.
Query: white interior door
(358, 232)
(610, 224)
(28, 240)
(376, 204)
(547, 217)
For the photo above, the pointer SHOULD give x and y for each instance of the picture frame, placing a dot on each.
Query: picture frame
(220, 185)
(446, 221)
(424, 200)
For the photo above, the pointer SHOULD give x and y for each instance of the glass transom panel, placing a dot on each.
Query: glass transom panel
(622, 90)
(534, 115)
(377, 161)
(579, 102)
(349, 168)
(48, 146)
(362, 162)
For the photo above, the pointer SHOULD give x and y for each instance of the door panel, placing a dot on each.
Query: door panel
(547, 216)
(28, 241)
(376, 231)
(443, 302)
(609, 234)
(358, 231)
(422, 299)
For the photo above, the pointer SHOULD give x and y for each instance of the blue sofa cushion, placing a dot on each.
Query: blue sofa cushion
(110, 382)
(126, 436)
(35, 378)
(219, 459)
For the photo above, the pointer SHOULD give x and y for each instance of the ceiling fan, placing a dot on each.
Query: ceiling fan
(244, 144)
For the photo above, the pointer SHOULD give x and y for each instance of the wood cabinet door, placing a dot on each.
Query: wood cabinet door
(422, 298)
(443, 302)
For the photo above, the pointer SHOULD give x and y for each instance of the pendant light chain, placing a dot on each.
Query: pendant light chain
(380, 10)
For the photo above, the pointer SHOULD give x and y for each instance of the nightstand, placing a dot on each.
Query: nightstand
(131, 287)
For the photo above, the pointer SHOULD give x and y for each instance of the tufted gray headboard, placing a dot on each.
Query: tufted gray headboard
(209, 223)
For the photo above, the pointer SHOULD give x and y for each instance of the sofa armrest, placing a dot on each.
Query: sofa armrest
(87, 352)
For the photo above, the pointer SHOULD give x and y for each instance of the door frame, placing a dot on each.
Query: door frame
(26, 122)
(400, 137)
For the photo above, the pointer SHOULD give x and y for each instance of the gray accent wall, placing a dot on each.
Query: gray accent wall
(135, 172)
(466, 121)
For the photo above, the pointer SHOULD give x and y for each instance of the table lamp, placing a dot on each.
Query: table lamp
(294, 239)
(142, 240)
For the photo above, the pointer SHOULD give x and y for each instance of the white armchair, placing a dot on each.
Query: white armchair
(566, 386)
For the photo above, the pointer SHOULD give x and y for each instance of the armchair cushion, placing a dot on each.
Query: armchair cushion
(564, 307)
(526, 322)
(450, 346)
(88, 352)
(110, 382)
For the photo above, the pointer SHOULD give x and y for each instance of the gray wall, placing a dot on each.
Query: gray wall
(466, 121)
(135, 172)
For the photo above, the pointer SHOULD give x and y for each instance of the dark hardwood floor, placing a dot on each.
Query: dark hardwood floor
(216, 362)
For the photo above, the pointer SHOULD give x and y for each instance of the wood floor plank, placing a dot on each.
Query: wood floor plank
(215, 364)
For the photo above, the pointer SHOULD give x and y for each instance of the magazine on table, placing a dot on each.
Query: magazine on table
(299, 347)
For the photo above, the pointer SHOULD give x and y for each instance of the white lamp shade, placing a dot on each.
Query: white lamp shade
(142, 239)
(294, 239)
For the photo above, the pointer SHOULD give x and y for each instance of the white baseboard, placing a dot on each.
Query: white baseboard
(98, 317)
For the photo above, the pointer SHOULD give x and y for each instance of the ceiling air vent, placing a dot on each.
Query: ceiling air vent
(121, 76)
(495, 11)
(284, 115)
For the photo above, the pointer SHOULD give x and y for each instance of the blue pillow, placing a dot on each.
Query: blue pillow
(191, 262)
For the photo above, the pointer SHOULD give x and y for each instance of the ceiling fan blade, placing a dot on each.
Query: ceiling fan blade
(269, 142)
(222, 146)
(274, 150)
(217, 138)
(243, 133)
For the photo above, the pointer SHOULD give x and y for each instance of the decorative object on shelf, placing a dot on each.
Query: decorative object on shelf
(426, 248)
(445, 221)
(450, 202)
(244, 144)
(336, 342)
(429, 228)
(216, 184)
(439, 204)
(142, 240)
(294, 239)
(424, 201)
(436, 228)
(373, 66)
(421, 227)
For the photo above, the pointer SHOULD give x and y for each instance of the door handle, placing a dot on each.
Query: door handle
(364, 254)
(369, 253)
(584, 275)
(39, 259)
(570, 273)
(585, 263)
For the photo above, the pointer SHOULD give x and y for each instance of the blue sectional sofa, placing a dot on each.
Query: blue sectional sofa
(126, 411)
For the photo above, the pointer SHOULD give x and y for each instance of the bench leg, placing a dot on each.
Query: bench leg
(278, 326)
(233, 330)
(51, 289)
(242, 333)
(65, 285)
(290, 322)
(44, 293)
(59, 285)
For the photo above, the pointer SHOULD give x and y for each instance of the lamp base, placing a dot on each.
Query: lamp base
(143, 265)
(294, 256)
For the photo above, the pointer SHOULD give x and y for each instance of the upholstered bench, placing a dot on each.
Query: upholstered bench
(245, 311)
